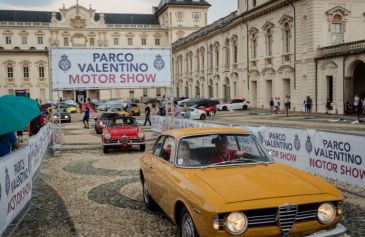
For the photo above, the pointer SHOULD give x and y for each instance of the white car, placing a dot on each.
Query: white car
(234, 105)
(196, 114)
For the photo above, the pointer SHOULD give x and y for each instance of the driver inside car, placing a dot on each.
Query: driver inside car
(184, 155)
(223, 153)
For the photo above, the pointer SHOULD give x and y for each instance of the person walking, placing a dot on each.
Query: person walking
(8, 143)
(147, 112)
(86, 118)
(170, 109)
(328, 105)
(271, 105)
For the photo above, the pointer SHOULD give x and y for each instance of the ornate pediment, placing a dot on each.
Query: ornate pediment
(253, 30)
(338, 10)
(78, 22)
(268, 25)
(286, 18)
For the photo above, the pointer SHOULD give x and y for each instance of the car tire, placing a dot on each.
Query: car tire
(225, 108)
(203, 117)
(142, 147)
(105, 149)
(147, 199)
(245, 107)
(211, 113)
(186, 225)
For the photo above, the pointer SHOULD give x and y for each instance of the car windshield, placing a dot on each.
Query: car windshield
(121, 122)
(216, 150)
(108, 115)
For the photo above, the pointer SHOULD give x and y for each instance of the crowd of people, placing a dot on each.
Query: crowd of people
(275, 104)
(357, 106)
(172, 110)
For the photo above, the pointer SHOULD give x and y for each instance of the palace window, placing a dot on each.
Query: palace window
(157, 41)
(235, 49)
(269, 42)
(145, 92)
(144, 41)
(10, 70)
(197, 60)
(65, 41)
(41, 71)
(287, 38)
(330, 88)
(337, 30)
(203, 57)
(191, 61)
(40, 39)
(254, 46)
(228, 53)
(196, 15)
(8, 39)
(158, 92)
(131, 93)
(130, 41)
(24, 39)
(254, 3)
(211, 56)
(179, 16)
(92, 41)
(25, 71)
(217, 56)
(116, 41)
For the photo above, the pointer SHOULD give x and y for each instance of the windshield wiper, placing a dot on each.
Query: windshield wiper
(238, 161)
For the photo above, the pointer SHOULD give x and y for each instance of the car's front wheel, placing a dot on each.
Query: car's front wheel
(148, 201)
(245, 107)
(225, 108)
(186, 225)
(142, 147)
(105, 149)
(211, 113)
(203, 117)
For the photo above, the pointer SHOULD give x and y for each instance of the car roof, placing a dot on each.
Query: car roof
(177, 133)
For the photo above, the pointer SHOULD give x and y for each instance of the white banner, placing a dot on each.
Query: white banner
(110, 68)
(16, 186)
(332, 155)
(17, 171)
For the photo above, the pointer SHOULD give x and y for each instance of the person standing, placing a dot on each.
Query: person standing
(8, 143)
(187, 113)
(309, 104)
(36, 124)
(154, 110)
(86, 118)
(356, 103)
(178, 111)
(170, 109)
(286, 103)
(147, 112)
(276, 105)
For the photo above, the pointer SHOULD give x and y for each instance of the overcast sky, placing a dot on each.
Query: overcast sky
(219, 8)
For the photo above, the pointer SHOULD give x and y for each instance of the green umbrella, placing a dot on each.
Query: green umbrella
(16, 112)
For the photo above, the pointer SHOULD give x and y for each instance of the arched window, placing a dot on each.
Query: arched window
(211, 56)
(337, 30)
(228, 53)
(287, 38)
(197, 60)
(217, 55)
(202, 51)
(269, 42)
(254, 45)
(235, 49)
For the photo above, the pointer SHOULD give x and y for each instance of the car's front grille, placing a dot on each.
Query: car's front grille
(284, 217)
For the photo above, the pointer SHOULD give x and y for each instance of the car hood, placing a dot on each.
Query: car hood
(129, 131)
(246, 183)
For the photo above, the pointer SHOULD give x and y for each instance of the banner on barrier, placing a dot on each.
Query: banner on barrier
(17, 171)
(110, 68)
(322, 153)
(16, 186)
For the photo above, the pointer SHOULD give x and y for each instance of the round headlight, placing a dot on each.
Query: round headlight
(236, 223)
(107, 136)
(140, 135)
(326, 213)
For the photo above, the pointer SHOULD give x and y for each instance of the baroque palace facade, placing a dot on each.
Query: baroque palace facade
(27, 36)
(274, 48)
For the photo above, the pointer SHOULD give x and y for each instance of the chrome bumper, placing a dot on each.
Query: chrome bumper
(123, 144)
(339, 231)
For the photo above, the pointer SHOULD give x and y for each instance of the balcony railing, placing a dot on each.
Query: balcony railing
(342, 49)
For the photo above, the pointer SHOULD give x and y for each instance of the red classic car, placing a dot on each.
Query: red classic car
(102, 120)
(123, 132)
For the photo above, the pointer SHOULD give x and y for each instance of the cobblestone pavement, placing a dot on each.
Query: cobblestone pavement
(84, 192)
